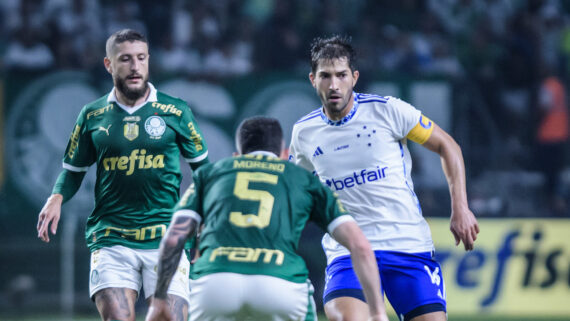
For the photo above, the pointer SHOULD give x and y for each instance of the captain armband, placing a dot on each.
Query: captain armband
(422, 131)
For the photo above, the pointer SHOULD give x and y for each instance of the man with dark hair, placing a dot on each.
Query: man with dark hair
(254, 207)
(135, 134)
(357, 145)
(265, 135)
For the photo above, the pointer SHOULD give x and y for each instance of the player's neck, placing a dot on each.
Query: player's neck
(123, 100)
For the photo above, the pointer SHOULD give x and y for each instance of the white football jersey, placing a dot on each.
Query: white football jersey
(364, 158)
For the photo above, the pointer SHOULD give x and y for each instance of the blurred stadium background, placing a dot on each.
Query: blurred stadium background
(484, 70)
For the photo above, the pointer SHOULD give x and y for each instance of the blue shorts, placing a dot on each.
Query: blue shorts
(413, 282)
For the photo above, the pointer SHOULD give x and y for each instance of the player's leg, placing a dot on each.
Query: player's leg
(414, 285)
(178, 291)
(343, 297)
(116, 304)
(346, 308)
(432, 316)
(114, 282)
(178, 307)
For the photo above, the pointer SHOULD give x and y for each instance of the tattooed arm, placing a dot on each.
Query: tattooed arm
(171, 247)
(181, 228)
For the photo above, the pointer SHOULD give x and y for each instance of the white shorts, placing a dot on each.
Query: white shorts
(232, 296)
(122, 267)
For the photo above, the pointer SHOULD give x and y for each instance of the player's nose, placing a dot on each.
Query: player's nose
(334, 83)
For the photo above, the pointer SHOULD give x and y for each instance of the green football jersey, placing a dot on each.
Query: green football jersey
(138, 166)
(254, 208)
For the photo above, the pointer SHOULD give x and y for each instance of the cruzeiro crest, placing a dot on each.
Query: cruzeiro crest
(155, 127)
(131, 128)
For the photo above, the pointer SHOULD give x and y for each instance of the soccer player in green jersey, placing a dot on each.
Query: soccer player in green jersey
(135, 136)
(253, 207)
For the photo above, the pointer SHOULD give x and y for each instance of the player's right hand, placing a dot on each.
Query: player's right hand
(464, 227)
(158, 311)
(49, 215)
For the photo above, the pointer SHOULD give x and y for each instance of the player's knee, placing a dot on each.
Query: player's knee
(342, 317)
(111, 314)
(117, 317)
(179, 307)
(334, 315)
(109, 306)
(346, 308)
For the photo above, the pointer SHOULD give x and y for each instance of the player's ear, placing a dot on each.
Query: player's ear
(312, 78)
(355, 75)
(107, 63)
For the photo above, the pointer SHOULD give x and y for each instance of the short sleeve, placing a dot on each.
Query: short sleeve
(80, 152)
(402, 116)
(190, 139)
(295, 153)
(191, 199)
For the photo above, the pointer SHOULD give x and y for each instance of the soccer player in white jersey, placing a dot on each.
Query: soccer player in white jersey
(357, 144)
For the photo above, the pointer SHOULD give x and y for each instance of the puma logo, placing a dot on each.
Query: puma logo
(106, 130)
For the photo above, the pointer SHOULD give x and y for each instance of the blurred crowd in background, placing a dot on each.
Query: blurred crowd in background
(503, 40)
(514, 54)
(506, 61)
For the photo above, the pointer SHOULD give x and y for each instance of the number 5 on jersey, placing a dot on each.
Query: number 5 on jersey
(243, 192)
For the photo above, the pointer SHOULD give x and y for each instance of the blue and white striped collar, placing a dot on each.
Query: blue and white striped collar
(346, 118)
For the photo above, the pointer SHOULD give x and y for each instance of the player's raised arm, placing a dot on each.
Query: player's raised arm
(171, 247)
(463, 222)
(350, 236)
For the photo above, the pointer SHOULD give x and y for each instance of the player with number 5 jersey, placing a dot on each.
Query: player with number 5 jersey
(253, 208)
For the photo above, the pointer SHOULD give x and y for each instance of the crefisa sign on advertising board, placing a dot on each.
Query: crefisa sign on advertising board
(519, 267)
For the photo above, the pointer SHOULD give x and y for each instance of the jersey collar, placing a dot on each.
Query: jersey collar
(112, 98)
(346, 118)
(262, 152)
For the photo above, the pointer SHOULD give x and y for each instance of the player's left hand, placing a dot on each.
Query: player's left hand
(464, 227)
(158, 311)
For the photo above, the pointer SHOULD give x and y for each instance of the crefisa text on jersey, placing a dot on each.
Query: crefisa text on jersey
(358, 178)
(170, 108)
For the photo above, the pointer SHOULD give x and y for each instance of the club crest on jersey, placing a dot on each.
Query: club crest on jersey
(131, 131)
(155, 127)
